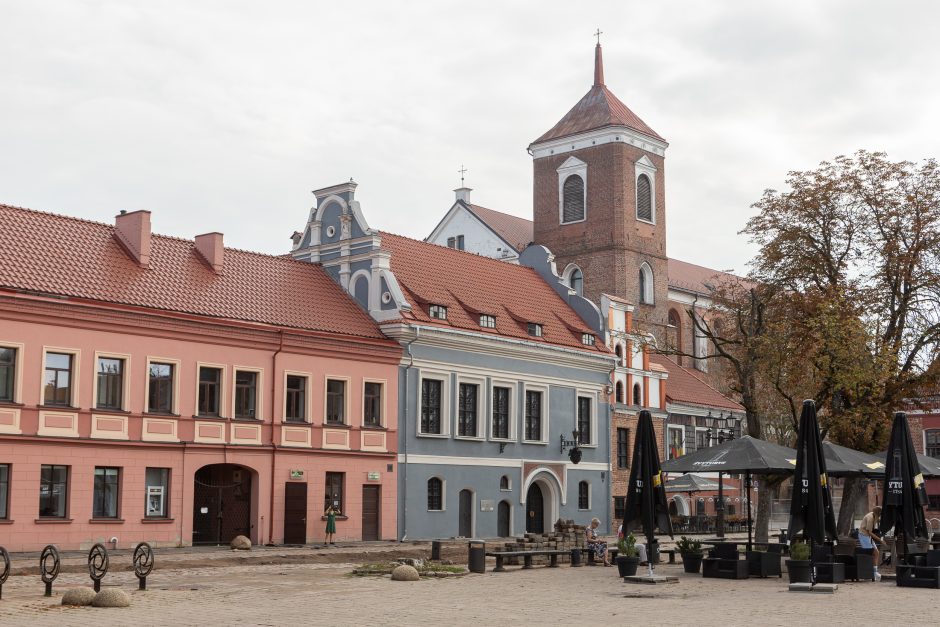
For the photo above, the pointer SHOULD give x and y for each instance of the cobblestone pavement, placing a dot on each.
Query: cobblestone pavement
(324, 594)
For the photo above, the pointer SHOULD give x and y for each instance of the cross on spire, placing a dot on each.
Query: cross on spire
(598, 61)
(462, 171)
(598, 35)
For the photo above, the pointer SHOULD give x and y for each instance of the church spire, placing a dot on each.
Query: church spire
(598, 61)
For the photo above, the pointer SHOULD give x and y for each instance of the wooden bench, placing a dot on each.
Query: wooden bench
(671, 553)
(612, 551)
(526, 557)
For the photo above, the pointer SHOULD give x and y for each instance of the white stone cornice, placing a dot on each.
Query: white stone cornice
(605, 135)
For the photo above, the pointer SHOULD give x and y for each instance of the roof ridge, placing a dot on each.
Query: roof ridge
(458, 251)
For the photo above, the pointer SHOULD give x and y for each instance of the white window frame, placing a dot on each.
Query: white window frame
(513, 406)
(443, 481)
(18, 370)
(125, 381)
(508, 482)
(177, 373)
(383, 418)
(223, 397)
(444, 378)
(259, 392)
(644, 166)
(648, 296)
(593, 396)
(589, 495)
(481, 407)
(308, 400)
(74, 377)
(347, 415)
(679, 428)
(546, 402)
(572, 165)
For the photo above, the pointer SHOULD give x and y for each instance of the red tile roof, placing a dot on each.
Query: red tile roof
(597, 109)
(518, 232)
(470, 285)
(684, 388)
(53, 254)
(691, 277)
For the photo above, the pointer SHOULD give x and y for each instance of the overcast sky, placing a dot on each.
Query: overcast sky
(224, 115)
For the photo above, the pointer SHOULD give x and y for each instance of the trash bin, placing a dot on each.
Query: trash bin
(576, 557)
(476, 556)
(436, 550)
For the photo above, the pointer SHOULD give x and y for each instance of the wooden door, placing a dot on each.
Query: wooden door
(535, 510)
(371, 499)
(502, 520)
(465, 514)
(295, 512)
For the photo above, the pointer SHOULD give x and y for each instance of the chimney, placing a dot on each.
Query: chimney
(132, 230)
(463, 193)
(209, 245)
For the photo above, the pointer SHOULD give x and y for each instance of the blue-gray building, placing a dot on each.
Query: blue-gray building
(501, 364)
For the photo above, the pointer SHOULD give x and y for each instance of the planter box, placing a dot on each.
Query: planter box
(799, 571)
(691, 562)
(626, 566)
(763, 564)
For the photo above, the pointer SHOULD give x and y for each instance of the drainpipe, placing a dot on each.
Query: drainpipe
(403, 429)
(610, 451)
(273, 439)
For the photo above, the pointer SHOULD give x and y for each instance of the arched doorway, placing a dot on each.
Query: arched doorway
(534, 509)
(465, 514)
(503, 524)
(221, 503)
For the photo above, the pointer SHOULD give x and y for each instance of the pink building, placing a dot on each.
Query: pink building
(179, 392)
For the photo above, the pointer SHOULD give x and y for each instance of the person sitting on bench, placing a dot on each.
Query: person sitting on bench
(598, 546)
(639, 546)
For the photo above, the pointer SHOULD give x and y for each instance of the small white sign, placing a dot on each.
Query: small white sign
(373, 476)
(203, 510)
(487, 505)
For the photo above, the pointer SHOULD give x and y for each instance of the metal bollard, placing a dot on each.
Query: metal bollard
(143, 563)
(436, 550)
(49, 566)
(97, 564)
(575, 558)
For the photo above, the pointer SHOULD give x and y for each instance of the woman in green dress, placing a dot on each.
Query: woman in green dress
(330, 523)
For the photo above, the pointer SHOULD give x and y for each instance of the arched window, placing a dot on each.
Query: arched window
(435, 494)
(637, 395)
(573, 199)
(618, 395)
(618, 351)
(646, 284)
(674, 333)
(576, 282)
(584, 495)
(644, 198)
(504, 483)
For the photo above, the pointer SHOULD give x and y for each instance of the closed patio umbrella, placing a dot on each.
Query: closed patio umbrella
(905, 493)
(646, 507)
(811, 505)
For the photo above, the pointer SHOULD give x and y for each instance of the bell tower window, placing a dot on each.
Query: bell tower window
(572, 191)
(645, 190)
(646, 284)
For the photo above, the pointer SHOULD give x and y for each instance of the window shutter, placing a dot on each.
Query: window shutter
(573, 201)
(644, 198)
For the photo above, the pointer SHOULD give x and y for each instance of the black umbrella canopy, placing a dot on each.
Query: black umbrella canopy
(842, 461)
(811, 505)
(905, 493)
(929, 467)
(694, 483)
(646, 507)
(739, 455)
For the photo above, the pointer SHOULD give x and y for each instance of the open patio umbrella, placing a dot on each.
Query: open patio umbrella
(745, 455)
(811, 505)
(929, 467)
(692, 483)
(646, 506)
(843, 461)
(905, 493)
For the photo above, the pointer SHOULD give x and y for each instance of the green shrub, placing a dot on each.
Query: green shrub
(688, 546)
(799, 551)
(626, 545)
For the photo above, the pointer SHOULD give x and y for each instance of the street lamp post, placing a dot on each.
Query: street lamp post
(722, 435)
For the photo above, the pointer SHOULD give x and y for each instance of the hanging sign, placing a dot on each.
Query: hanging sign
(296, 474)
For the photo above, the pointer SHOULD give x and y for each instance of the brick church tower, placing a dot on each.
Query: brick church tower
(599, 202)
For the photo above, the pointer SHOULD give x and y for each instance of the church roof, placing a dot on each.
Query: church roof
(475, 285)
(68, 257)
(516, 231)
(690, 277)
(597, 109)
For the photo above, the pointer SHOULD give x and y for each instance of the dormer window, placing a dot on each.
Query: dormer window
(438, 312)
(535, 329)
(587, 339)
(487, 321)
